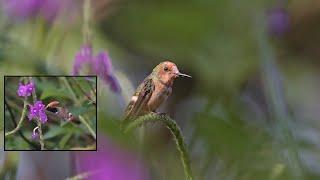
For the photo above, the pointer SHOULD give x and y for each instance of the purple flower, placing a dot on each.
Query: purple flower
(21, 9)
(103, 68)
(50, 9)
(110, 162)
(35, 133)
(84, 56)
(25, 90)
(102, 64)
(99, 65)
(278, 21)
(113, 83)
(38, 111)
(24, 9)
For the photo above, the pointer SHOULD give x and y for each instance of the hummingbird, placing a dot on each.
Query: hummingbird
(58, 111)
(153, 91)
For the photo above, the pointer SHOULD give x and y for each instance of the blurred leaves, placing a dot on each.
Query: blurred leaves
(209, 36)
(54, 131)
(53, 92)
(246, 149)
(64, 140)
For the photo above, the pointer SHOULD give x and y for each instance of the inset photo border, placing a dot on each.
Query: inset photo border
(50, 113)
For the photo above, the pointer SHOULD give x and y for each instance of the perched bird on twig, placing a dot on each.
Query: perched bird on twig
(153, 91)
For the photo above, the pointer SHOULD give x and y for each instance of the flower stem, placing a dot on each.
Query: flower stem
(175, 131)
(82, 90)
(23, 114)
(40, 134)
(78, 102)
(32, 144)
(41, 141)
(86, 21)
(88, 126)
(273, 88)
(73, 94)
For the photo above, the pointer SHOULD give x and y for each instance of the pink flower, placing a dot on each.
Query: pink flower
(99, 65)
(25, 9)
(25, 90)
(110, 162)
(278, 21)
(38, 111)
(35, 133)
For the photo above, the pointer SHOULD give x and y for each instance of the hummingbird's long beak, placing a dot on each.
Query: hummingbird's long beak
(184, 75)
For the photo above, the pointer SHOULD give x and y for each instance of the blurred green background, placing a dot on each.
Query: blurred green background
(251, 109)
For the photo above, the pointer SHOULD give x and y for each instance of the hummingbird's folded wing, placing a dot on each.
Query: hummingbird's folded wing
(140, 98)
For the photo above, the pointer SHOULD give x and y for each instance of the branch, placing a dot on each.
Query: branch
(34, 95)
(88, 126)
(86, 21)
(175, 131)
(84, 175)
(15, 124)
(73, 94)
(90, 85)
(273, 88)
(82, 91)
(23, 114)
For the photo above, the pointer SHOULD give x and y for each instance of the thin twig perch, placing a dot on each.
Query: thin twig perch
(176, 132)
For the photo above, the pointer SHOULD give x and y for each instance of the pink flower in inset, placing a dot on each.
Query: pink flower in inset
(35, 133)
(25, 90)
(38, 111)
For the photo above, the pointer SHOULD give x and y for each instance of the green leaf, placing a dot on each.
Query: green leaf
(64, 123)
(54, 131)
(54, 92)
(64, 140)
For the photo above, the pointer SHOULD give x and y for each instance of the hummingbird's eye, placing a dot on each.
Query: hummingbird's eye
(166, 68)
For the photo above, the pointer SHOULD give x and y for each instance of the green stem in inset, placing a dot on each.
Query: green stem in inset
(82, 90)
(40, 134)
(88, 126)
(32, 144)
(78, 102)
(175, 131)
(41, 141)
(23, 114)
(73, 94)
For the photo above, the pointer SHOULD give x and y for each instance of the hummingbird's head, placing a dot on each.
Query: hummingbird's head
(167, 71)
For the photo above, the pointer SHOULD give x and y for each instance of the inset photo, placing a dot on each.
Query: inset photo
(50, 113)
